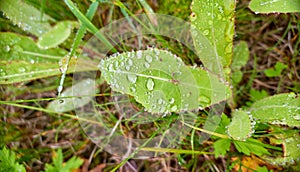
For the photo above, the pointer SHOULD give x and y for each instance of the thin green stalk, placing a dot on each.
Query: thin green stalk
(206, 131)
(50, 112)
(177, 151)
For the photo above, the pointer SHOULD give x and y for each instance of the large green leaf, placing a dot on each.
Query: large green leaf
(26, 16)
(275, 6)
(281, 109)
(215, 20)
(161, 82)
(22, 60)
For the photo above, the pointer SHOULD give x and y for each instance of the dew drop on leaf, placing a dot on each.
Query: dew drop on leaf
(205, 32)
(148, 58)
(147, 65)
(150, 84)
(132, 78)
(139, 54)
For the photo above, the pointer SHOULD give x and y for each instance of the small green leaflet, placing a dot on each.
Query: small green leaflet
(161, 82)
(275, 6)
(57, 35)
(251, 146)
(241, 126)
(276, 71)
(283, 109)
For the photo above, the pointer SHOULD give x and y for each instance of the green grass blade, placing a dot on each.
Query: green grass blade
(82, 18)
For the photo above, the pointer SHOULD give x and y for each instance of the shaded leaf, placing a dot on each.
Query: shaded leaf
(8, 161)
(71, 101)
(26, 16)
(276, 71)
(281, 109)
(275, 6)
(240, 127)
(251, 146)
(161, 82)
(221, 146)
(60, 166)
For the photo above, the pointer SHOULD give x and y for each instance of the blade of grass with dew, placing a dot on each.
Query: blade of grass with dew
(84, 20)
(78, 38)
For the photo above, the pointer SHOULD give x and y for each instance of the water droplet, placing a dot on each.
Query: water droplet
(205, 32)
(147, 65)
(150, 84)
(174, 108)
(193, 16)
(130, 62)
(132, 78)
(133, 89)
(156, 51)
(7, 48)
(204, 99)
(148, 58)
(127, 68)
(61, 101)
(160, 101)
(111, 67)
(22, 69)
(139, 54)
(172, 100)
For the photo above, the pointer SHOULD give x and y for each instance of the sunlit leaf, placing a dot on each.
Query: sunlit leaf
(161, 82)
(215, 20)
(275, 6)
(281, 109)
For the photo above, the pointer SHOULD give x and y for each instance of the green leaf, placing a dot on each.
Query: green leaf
(275, 6)
(59, 166)
(281, 109)
(68, 101)
(251, 146)
(240, 58)
(241, 126)
(8, 161)
(57, 35)
(22, 60)
(225, 121)
(161, 82)
(276, 71)
(290, 141)
(221, 146)
(215, 20)
(26, 16)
